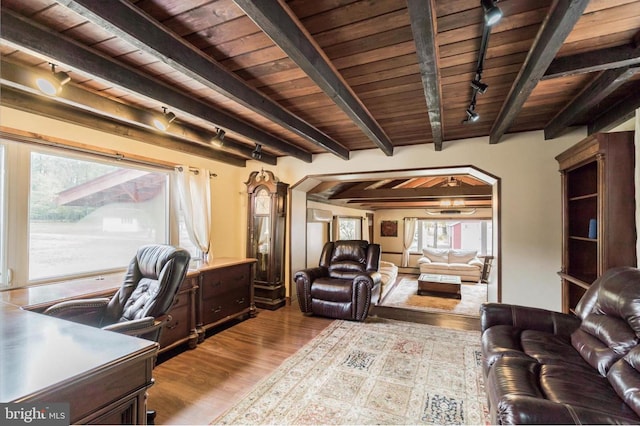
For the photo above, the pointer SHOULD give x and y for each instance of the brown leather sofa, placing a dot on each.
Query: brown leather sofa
(345, 284)
(545, 367)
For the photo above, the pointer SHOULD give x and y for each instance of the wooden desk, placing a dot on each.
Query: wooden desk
(103, 375)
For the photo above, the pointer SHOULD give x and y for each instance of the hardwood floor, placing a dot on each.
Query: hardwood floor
(195, 386)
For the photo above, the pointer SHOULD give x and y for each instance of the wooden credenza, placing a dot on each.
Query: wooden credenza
(103, 375)
(181, 328)
(225, 292)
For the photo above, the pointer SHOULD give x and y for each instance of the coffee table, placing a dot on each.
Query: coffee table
(439, 285)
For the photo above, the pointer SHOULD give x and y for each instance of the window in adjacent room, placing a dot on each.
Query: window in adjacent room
(453, 234)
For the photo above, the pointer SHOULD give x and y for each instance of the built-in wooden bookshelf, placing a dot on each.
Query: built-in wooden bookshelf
(598, 211)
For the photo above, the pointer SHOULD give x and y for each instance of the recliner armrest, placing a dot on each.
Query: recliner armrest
(310, 274)
(85, 311)
(528, 318)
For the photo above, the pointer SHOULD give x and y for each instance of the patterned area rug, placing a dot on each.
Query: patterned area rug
(378, 372)
(405, 295)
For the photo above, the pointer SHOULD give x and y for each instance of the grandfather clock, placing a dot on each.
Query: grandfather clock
(266, 223)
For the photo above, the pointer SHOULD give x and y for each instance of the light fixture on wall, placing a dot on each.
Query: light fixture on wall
(163, 122)
(492, 13)
(218, 139)
(257, 152)
(52, 85)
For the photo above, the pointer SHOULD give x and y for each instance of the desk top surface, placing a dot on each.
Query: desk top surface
(38, 352)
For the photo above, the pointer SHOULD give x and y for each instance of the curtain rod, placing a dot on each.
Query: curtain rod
(195, 171)
(94, 153)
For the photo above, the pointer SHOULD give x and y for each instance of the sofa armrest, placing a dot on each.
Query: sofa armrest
(424, 259)
(524, 409)
(529, 318)
(84, 311)
(476, 262)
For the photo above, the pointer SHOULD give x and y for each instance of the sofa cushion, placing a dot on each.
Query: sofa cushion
(462, 256)
(436, 255)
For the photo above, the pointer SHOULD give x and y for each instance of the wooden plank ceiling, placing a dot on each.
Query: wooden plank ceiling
(304, 77)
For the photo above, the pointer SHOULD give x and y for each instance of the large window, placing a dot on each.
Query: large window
(66, 214)
(87, 216)
(453, 234)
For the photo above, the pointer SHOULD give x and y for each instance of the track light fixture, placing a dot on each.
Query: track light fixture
(218, 139)
(492, 13)
(479, 86)
(257, 152)
(53, 85)
(472, 115)
(163, 122)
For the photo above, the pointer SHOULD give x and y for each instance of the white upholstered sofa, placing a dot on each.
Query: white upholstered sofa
(463, 263)
(389, 273)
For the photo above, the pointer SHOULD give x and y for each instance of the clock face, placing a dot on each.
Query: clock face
(263, 202)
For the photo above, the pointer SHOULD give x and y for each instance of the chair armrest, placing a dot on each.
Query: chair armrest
(528, 318)
(424, 259)
(139, 327)
(311, 274)
(375, 277)
(303, 280)
(85, 311)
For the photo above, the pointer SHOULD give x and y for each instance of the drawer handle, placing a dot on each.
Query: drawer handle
(240, 301)
(171, 327)
(216, 309)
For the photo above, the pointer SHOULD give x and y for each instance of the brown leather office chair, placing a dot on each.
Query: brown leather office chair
(345, 284)
(139, 308)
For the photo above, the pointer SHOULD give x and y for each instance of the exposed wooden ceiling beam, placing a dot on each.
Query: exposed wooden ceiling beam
(282, 26)
(364, 194)
(424, 28)
(622, 111)
(22, 78)
(561, 19)
(597, 60)
(601, 87)
(27, 102)
(132, 25)
(43, 42)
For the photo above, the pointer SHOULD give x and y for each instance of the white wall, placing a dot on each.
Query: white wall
(530, 202)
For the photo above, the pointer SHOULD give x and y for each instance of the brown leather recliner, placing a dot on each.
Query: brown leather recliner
(345, 284)
(139, 308)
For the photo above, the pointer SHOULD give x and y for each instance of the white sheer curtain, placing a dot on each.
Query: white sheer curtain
(194, 190)
(409, 231)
